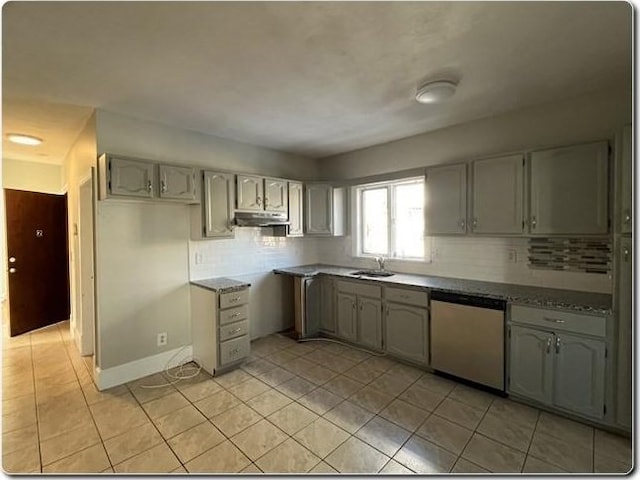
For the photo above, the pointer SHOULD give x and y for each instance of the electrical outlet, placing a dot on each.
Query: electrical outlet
(512, 256)
(162, 339)
(198, 258)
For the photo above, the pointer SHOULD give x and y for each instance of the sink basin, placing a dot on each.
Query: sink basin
(372, 273)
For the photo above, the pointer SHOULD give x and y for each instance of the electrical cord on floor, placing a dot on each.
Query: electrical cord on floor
(182, 372)
(331, 340)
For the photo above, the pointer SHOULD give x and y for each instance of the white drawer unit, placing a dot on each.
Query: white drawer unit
(559, 320)
(220, 327)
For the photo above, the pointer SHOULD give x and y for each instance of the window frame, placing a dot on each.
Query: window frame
(391, 189)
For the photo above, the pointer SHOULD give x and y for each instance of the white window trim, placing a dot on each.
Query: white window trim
(356, 223)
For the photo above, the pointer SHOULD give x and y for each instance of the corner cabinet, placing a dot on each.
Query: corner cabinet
(324, 210)
(446, 200)
(130, 178)
(569, 190)
(497, 199)
(557, 358)
(214, 217)
(296, 218)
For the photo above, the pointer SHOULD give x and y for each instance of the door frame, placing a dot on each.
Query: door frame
(85, 327)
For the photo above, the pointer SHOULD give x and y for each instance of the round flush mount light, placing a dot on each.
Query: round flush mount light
(22, 139)
(436, 92)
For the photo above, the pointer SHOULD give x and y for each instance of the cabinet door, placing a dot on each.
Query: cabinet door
(275, 195)
(370, 322)
(624, 308)
(579, 375)
(249, 190)
(406, 332)
(218, 204)
(295, 209)
(177, 183)
(327, 311)
(446, 200)
(346, 316)
(531, 362)
(625, 178)
(318, 209)
(569, 190)
(131, 178)
(498, 195)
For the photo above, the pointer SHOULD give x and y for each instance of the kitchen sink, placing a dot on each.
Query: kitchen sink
(372, 273)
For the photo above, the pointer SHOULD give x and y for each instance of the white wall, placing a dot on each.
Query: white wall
(32, 176)
(144, 249)
(592, 117)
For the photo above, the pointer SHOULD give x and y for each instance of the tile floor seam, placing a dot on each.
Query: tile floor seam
(35, 401)
(533, 434)
(475, 431)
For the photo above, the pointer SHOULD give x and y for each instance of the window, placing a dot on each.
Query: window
(390, 219)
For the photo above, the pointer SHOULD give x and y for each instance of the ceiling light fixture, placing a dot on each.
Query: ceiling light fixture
(436, 92)
(23, 139)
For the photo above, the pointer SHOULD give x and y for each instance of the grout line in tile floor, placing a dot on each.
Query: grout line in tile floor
(279, 345)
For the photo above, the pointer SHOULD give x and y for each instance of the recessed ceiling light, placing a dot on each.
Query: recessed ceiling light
(23, 139)
(435, 92)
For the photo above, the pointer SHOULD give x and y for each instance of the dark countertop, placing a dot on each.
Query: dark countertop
(221, 284)
(596, 303)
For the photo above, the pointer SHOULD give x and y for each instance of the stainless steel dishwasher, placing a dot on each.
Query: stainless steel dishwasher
(467, 337)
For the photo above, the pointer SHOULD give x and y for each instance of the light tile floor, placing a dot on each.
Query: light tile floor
(294, 407)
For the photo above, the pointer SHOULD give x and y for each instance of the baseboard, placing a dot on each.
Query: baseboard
(114, 376)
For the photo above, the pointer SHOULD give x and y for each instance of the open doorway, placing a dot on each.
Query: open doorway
(38, 259)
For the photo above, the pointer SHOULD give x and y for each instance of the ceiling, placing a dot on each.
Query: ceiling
(312, 78)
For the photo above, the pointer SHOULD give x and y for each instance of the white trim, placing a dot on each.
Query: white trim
(142, 367)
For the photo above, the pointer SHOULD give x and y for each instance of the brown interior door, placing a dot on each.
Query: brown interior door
(37, 260)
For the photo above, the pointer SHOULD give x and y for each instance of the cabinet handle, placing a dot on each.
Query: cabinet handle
(548, 345)
(236, 330)
(258, 200)
(360, 307)
(475, 223)
(534, 222)
(554, 320)
(462, 224)
(627, 216)
(557, 344)
(237, 314)
(234, 299)
(163, 186)
(625, 252)
(149, 186)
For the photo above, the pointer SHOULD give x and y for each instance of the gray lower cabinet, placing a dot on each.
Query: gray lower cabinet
(370, 322)
(406, 332)
(346, 316)
(531, 367)
(556, 367)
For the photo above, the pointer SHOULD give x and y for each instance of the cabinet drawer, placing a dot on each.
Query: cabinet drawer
(234, 314)
(233, 299)
(559, 320)
(411, 297)
(233, 330)
(233, 350)
(360, 289)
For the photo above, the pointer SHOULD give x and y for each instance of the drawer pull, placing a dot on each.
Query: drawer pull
(557, 344)
(234, 299)
(237, 314)
(553, 320)
(549, 345)
(235, 330)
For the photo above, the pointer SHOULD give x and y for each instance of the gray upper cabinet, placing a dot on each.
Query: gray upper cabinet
(498, 195)
(131, 178)
(569, 190)
(296, 200)
(624, 212)
(324, 210)
(214, 218)
(275, 195)
(250, 193)
(579, 374)
(177, 183)
(446, 200)
(530, 369)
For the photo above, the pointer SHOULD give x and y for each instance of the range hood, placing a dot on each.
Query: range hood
(260, 219)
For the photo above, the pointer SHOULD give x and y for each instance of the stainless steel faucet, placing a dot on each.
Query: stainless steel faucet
(380, 261)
